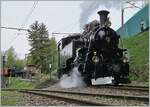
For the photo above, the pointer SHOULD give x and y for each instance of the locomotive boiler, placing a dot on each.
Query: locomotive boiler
(96, 54)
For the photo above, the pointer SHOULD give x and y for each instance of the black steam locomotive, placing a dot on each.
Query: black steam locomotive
(96, 54)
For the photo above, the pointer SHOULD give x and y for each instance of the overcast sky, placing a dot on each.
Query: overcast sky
(58, 16)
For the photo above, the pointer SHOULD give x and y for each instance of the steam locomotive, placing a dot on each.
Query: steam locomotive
(95, 53)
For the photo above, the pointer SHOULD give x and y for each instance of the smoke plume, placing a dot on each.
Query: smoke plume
(89, 7)
(74, 80)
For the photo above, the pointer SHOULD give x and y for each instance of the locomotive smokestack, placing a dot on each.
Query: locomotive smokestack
(103, 17)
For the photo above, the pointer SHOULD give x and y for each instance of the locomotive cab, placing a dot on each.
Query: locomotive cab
(67, 53)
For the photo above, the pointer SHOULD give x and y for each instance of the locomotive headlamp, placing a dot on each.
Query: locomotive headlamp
(95, 59)
(95, 52)
(125, 60)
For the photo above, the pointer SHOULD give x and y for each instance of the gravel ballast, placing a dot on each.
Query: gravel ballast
(36, 100)
(101, 90)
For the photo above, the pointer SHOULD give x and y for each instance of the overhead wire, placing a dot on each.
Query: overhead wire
(30, 13)
(13, 28)
(70, 26)
(26, 20)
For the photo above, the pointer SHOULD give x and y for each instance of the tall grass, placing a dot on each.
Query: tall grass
(138, 48)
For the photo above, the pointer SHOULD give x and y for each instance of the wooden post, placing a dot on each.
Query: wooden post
(50, 66)
(3, 75)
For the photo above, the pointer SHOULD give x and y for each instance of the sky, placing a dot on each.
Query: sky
(58, 16)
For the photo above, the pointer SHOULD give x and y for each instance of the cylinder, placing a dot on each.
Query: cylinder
(103, 17)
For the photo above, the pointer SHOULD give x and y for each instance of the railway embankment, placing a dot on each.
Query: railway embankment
(138, 49)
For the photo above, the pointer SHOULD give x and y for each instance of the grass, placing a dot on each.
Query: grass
(10, 98)
(47, 80)
(138, 48)
(16, 82)
(39, 81)
(20, 84)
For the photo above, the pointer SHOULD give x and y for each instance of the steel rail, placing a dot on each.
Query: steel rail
(83, 102)
(138, 88)
(141, 98)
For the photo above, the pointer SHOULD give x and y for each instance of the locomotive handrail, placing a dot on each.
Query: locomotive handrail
(121, 42)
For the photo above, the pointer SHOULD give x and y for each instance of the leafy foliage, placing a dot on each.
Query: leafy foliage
(53, 53)
(10, 57)
(12, 61)
(20, 63)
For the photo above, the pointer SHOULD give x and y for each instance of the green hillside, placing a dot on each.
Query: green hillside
(138, 48)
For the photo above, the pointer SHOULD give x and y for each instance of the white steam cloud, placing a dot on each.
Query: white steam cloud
(74, 80)
(88, 7)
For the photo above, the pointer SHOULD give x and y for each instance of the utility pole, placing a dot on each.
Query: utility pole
(4, 63)
(50, 70)
(122, 17)
(26, 60)
(123, 9)
(3, 75)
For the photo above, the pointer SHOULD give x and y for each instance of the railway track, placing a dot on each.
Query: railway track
(123, 87)
(55, 94)
(61, 96)
(89, 98)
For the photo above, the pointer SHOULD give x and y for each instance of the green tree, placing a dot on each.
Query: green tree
(53, 53)
(39, 41)
(10, 58)
(19, 63)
